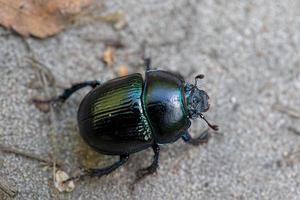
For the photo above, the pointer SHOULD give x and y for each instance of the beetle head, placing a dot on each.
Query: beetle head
(197, 101)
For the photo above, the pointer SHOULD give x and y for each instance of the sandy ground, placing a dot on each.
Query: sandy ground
(249, 52)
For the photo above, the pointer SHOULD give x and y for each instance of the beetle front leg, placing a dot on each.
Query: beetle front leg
(102, 171)
(68, 92)
(202, 139)
(142, 173)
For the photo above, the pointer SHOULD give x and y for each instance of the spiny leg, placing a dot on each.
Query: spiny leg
(102, 171)
(202, 139)
(142, 173)
(68, 92)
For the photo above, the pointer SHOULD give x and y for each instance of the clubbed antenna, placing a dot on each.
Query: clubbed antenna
(214, 127)
(199, 76)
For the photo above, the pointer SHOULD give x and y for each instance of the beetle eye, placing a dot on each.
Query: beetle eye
(195, 100)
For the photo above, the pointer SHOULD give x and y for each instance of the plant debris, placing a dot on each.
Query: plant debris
(287, 110)
(7, 189)
(27, 155)
(294, 130)
(117, 19)
(43, 107)
(118, 44)
(60, 184)
(288, 159)
(39, 18)
(122, 70)
(108, 56)
(35, 83)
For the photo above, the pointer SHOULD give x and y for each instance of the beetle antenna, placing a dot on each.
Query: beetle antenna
(199, 76)
(214, 127)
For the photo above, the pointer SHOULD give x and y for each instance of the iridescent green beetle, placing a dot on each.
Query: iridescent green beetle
(128, 114)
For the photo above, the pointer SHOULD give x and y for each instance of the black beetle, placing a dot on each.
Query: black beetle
(126, 115)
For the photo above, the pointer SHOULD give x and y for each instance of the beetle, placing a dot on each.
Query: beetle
(128, 114)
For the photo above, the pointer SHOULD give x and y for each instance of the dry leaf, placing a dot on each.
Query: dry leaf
(114, 17)
(120, 24)
(117, 19)
(39, 18)
(9, 190)
(123, 70)
(60, 177)
(43, 107)
(108, 56)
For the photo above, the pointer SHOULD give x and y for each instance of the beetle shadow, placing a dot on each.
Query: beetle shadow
(76, 153)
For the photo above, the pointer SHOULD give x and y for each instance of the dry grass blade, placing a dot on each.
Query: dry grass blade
(294, 130)
(27, 155)
(287, 110)
(108, 56)
(42, 72)
(7, 189)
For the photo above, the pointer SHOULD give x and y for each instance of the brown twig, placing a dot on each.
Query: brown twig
(7, 189)
(27, 155)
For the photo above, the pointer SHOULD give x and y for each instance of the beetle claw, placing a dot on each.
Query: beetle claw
(143, 173)
(212, 126)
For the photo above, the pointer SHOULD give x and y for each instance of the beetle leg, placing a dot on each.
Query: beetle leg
(142, 173)
(68, 92)
(147, 62)
(102, 171)
(109, 169)
(202, 139)
(146, 56)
